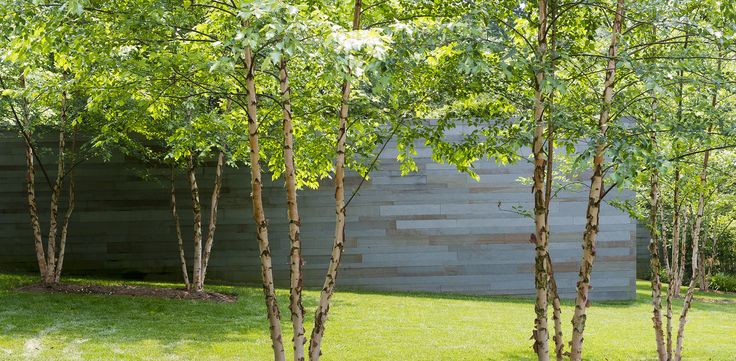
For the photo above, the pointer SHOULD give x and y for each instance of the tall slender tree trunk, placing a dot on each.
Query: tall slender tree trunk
(654, 264)
(295, 255)
(540, 333)
(33, 211)
(49, 278)
(674, 287)
(214, 201)
(594, 197)
(554, 296)
(67, 216)
(328, 289)
(698, 254)
(674, 264)
(696, 237)
(694, 278)
(664, 238)
(23, 121)
(259, 216)
(197, 213)
(685, 223)
(177, 225)
(676, 276)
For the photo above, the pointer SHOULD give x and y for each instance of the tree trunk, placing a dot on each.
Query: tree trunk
(695, 242)
(23, 122)
(33, 211)
(594, 198)
(685, 223)
(540, 332)
(676, 276)
(49, 278)
(683, 318)
(669, 317)
(701, 202)
(213, 214)
(259, 216)
(553, 294)
(654, 265)
(556, 312)
(674, 287)
(197, 212)
(320, 316)
(177, 225)
(67, 216)
(295, 255)
(702, 280)
(663, 238)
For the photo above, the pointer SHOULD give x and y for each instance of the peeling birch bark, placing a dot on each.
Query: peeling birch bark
(295, 255)
(259, 216)
(654, 264)
(541, 274)
(594, 197)
(552, 286)
(556, 313)
(320, 316)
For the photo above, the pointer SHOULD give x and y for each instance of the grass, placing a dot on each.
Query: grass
(362, 326)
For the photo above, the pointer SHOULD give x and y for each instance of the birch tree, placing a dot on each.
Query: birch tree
(45, 54)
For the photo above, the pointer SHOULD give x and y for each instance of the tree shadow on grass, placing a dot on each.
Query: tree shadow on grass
(129, 319)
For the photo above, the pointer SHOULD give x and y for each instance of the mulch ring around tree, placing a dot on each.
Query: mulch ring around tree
(132, 290)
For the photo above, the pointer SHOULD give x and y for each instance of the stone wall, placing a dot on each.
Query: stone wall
(436, 230)
(642, 251)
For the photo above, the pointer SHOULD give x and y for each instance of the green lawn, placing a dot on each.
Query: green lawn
(362, 326)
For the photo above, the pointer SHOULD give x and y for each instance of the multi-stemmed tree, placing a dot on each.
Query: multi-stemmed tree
(46, 57)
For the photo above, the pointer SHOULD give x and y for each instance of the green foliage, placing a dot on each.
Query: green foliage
(725, 252)
(723, 282)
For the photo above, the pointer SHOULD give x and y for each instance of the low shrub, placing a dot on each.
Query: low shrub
(723, 282)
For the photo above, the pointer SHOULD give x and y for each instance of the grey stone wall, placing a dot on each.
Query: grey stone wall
(642, 251)
(436, 230)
